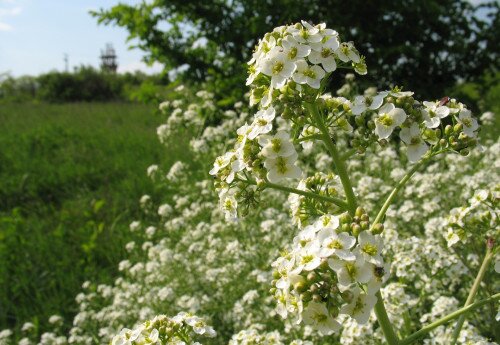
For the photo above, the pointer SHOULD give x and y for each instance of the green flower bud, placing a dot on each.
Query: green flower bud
(442, 142)
(448, 130)
(300, 287)
(464, 152)
(365, 225)
(458, 128)
(345, 218)
(272, 291)
(276, 275)
(378, 228)
(317, 298)
(365, 217)
(359, 211)
(306, 296)
(356, 230)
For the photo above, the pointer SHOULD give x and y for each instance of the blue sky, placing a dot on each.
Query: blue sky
(35, 35)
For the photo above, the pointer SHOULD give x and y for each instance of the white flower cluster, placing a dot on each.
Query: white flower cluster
(329, 272)
(163, 330)
(259, 153)
(254, 337)
(295, 56)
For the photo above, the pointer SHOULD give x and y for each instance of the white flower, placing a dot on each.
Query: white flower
(469, 123)
(307, 34)
(308, 258)
(316, 315)
(349, 272)
(278, 67)
(346, 52)
(263, 122)
(306, 74)
(389, 117)
(452, 238)
(361, 103)
(277, 146)
(221, 162)
(229, 205)
(325, 57)
(360, 306)
(433, 113)
(294, 49)
(282, 167)
(165, 210)
(414, 142)
(370, 246)
(338, 244)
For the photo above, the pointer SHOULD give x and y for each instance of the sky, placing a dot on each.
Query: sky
(36, 34)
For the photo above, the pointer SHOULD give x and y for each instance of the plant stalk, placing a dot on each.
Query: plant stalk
(473, 291)
(337, 201)
(424, 330)
(384, 322)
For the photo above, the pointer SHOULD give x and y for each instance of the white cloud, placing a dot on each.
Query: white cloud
(14, 11)
(5, 27)
(140, 66)
(8, 12)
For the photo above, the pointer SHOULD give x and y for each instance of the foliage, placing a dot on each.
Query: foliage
(425, 46)
(85, 84)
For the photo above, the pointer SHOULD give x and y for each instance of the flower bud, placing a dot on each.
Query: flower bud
(272, 291)
(458, 128)
(345, 218)
(442, 142)
(276, 275)
(356, 229)
(365, 217)
(306, 296)
(359, 212)
(300, 287)
(360, 120)
(378, 228)
(448, 130)
(365, 225)
(317, 298)
(464, 152)
(345, 228)
(312, 277)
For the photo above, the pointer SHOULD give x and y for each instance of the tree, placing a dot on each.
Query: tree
(423, 45)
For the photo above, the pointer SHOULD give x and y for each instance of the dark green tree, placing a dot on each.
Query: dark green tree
(422, 45)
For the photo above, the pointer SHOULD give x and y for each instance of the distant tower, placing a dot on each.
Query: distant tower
(108, 59)
(66, 62)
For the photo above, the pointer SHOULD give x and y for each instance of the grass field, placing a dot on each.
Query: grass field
(70, 179)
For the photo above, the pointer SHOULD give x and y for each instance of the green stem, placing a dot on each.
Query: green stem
(337, 159)
(390, 198)
(473, 291)
(384, 322)
(424, 330)
(337, 201)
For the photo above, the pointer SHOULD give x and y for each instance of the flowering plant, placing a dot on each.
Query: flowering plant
(335, 268)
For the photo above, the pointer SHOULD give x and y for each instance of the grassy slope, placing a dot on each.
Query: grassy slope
(70, 179)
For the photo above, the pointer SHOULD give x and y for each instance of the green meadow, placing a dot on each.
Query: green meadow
(71, 176)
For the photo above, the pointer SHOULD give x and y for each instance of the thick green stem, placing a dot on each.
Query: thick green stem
(384, 322)
(337, 159)
(337, 201)
(423, 331)
(473, 291)
(339, 163)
